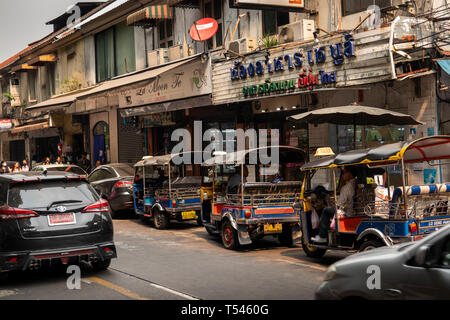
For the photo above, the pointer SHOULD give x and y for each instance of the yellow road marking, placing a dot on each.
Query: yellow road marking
(116, 288)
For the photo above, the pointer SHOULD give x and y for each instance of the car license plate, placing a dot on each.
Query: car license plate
(61, 219)
(273, 228)
(188, 215)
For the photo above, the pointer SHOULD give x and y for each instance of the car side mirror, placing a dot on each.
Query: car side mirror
(422, 255)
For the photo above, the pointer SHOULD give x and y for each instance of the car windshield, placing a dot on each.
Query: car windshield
(124, 171)
(41, 195)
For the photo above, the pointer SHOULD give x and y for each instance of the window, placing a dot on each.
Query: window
(165, 29)
(213, 9)
(355, 6)
(272, 19)
(100, 174)
(51, 79)
(32, 85)
(115, 52)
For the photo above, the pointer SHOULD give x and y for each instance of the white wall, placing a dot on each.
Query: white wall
(89, 61)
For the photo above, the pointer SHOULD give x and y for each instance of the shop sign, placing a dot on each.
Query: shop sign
(186, 81)
(5, 124)
(294, 61)
(157, 120)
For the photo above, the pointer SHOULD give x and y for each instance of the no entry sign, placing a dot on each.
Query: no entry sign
(204, 29)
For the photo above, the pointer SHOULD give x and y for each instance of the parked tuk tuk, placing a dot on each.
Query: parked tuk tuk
(165, 191)
(399, 208)
(248, 200)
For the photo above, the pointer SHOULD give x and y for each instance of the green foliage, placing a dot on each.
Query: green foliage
(9, 96)
(68, 85)
(268, 41)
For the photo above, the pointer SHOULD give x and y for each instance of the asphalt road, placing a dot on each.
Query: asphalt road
(181, 263)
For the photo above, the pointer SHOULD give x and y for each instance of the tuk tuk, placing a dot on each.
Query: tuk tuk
(165, 191)
(248, 200)
(399, 208)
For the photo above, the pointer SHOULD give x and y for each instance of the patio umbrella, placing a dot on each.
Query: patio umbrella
(355, 114)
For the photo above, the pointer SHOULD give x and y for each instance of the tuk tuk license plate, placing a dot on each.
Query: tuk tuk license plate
(273, 228)
(188, 215)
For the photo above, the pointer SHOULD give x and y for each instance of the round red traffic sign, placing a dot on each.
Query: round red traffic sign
(204, 29)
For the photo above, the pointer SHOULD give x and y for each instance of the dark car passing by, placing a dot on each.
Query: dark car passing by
(412, 270)
(115, 182)
(53, 218)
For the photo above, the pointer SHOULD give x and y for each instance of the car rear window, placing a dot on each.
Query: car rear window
(125, 171)
(41, 195)
(75, 170)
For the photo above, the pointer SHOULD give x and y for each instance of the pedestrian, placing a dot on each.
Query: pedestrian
(47, 161)
(4, 168)
(84, 163)
(25, 166)
(64, 160)
(16, 167)
(58, 160)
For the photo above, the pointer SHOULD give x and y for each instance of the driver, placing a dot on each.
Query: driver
(235, 180)
(344, 203)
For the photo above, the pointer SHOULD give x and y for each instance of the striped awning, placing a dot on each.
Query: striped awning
(149, 14)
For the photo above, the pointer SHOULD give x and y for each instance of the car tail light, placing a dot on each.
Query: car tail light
(9, 213)
(123, 184)
(413, 227)
(100, 206)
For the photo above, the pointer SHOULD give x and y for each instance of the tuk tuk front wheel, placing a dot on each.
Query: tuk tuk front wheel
(229, 236)
(313, 252)
(160, 219)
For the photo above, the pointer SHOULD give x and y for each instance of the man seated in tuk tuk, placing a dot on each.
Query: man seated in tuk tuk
(235, 180)
(344, 203)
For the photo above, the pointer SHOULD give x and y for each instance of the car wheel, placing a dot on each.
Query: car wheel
(285, 238)
(369, 245)
(101, 265)
(229, 236)
(313, 252)
(160, 219)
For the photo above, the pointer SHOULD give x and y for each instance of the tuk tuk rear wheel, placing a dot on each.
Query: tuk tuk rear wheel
(229, 236)
(285, 238)
(160, 219)
(313, 252)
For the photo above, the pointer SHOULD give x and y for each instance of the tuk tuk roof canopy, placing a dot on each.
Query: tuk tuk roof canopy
(239, 157)
(423, 149)
(163, 160)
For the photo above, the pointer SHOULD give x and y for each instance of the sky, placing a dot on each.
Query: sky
(23, 22)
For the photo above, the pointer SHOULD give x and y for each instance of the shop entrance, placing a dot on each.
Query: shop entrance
(46, 147)
(101, 142)
(17, 150)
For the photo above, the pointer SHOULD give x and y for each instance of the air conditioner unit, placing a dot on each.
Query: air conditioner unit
(179, 52)
(157, 57)
(242, 46)
(297, 31)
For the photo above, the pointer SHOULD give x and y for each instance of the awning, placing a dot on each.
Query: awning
(61, 101)
(444, 79)
(42, 60)
(195, 102)
(30, 127)
(134, 78)
(147, 15)
(23, 66)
